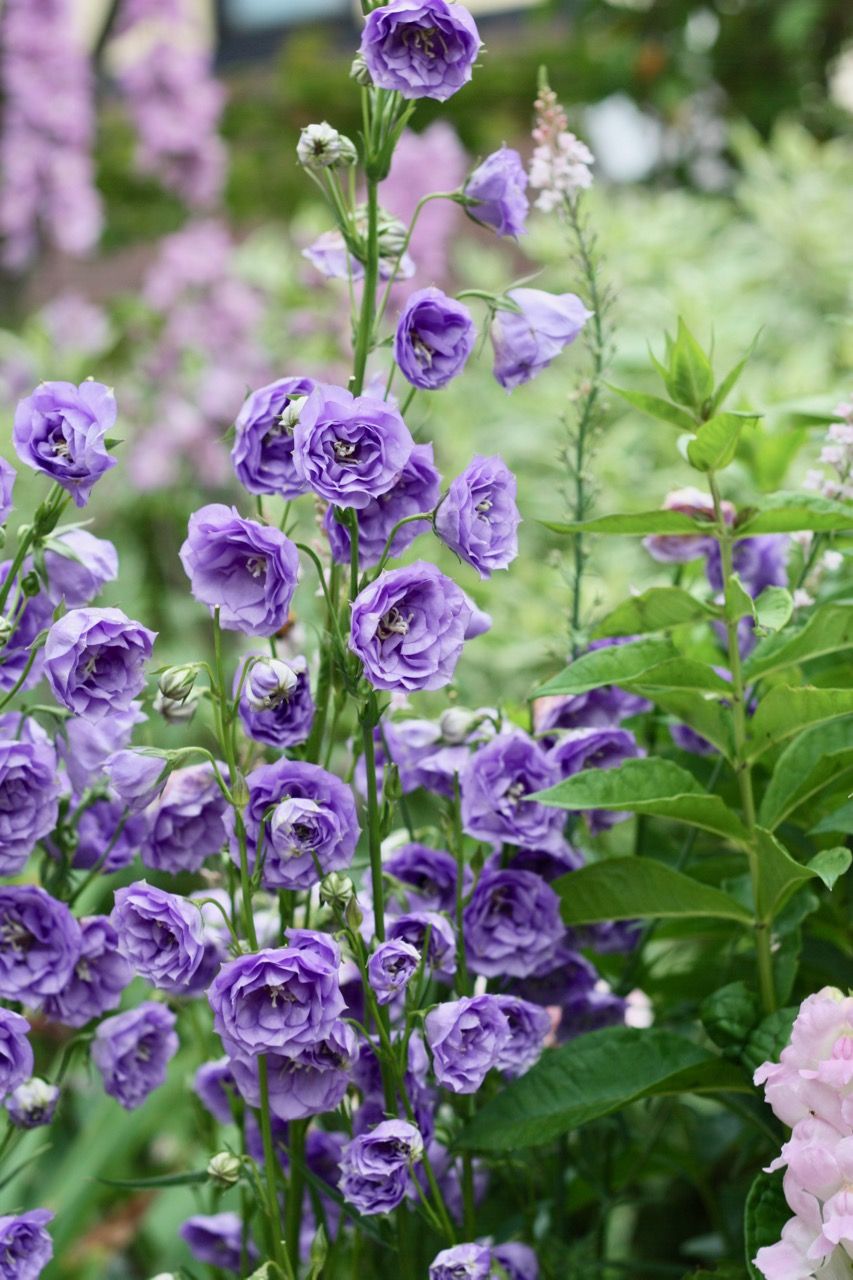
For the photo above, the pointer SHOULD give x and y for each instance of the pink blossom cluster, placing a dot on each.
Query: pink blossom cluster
(810, 1088)
(559, 168)
(837, 455)
(47, 186)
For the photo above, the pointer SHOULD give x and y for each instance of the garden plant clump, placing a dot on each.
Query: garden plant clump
(453, 990)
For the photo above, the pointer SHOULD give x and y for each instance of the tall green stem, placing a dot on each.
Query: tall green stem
(364, 337)
(279, 1256)
(368, 724)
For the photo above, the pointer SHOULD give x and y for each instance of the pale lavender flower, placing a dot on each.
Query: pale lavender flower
(527, 340)
(132, 1051)
(61, 430)
(498, 188)
(420, 48)
(94, 661)
(478, 518)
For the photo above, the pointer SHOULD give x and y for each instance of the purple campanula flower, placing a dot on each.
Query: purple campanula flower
(85, 746)
(759, 563)
(511, 924)
(375, 1166)
(549, 864)
(479, 623)
(412, 928)
(527, 340)
(29, 790)
(247, 570)
(308, 1084)
(408, 628)
(429, 876)
(462, 1262)
(330, 255)
(25, 1246)
(40, 943)
(132, 1051)
(495, 785)
(61, 430)
(607, 705)
(78, 565)
(582, 749)
(349, 450)
(467, 1038)
(8, 475)
(689, 740)
(589, 1010)
(106, 836)
(529, 1026)
(478, 518)
(97, 980)
(681, 548)
(32, 1104)
(416, 489)
(391, 968)
(212, 1083)
(283, 1000)
(263, 444)
(498, 185)
(16, 656)
(420, 48)
(217, 1240)
(434, 338)
(16, 1054)
(136, 777)
(94, 660)
(159, 934)
(518, 1260)
(185, 823)
(285, 716)
(312, 830)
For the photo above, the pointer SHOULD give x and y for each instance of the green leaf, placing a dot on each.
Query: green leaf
(701, 713)
(780, 875)
(739, 603)
(657, 609)
(640, 889)
(829, 629)
(656, 407)
(728, 383)
(715, 443)
(792, 512)
(681, 673)
(668, 523)
(690, 378)
(830, 864)
(163, 1180)
(786, 711)
(595, 1075)
(773, 608)
(608, 666)
(840, 820)
(649, 786)
(729, 1014)
(804, 768)
(765, 1214)
(769, 1038)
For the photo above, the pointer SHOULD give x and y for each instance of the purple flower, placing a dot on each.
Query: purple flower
(78, 565)
(429, 875)
(689, 740)
(97, 980)
(582, 749)
(85, 746)
(681, 548)
(8, 475)
(478, 519)
(330, 255)
(462, 1262)
(247, 570)
(29, 791)
(549, 864)
(759, 563)
(591, 1009)
(159, 934)
(435, 336)
(106, 837)
(17, 653)
(132, 1050)
(599, 707)
(61, 430)
(375, 1166)
(185, 822)
(308, 1084)
(312, 830)
(16, 1055)
(25, 1246)
(40, 943)
(420, 48)
(412, 927)
(527, 340)
(511, 924)
(284, 1000)
(283, 718)
(217, 1239)
(349, 451)
(416, 489)
(33, 1104)
(529, 1025)
(263, 446)
(495, 785)
(136, 777)
(212, 1084)
(391, 968)
(94, 660)
(408, 628)
(467, 1038)
(518, 1261)
(498, 186)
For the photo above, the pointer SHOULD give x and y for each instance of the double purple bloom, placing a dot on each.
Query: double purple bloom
(132, 1051)
(25, 1246)
(467, 1039)
(100, 975)
(159, 934)
(263, 444)
(511, 924)
(286, 716)
(416, 489)
(375, 1166)
(16, 1054)
(420, 48)
(478, 518)
(185, 823)
(434, 338)
(29, 791)
(61, 430)
(496, 784)
(94, 661)
(40, 943)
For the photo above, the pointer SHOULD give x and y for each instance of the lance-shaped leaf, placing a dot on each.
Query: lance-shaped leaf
(609, 666)
(650, 786)
(773, 608)
(829, 629)
(785, 711)
(703, 714)
(656, 407)
(657, 609)
(813, 760)
(739, 603)
(840, 821)
(689, 378)
(715, 443)
(779, 877)
(796, 512)
(639, 523)
(640, 889)
(594, 1076)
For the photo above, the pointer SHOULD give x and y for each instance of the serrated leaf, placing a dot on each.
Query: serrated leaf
(773, 608)
(667, 523)
(640, 889)
(814, 759)
(829, 629)
(657, 609)
(830, 864)
(648, 786)
(792, 512)
(594, 1076)
(780, 875)
(765, 1214)
(608, 666)
(656, 407)
(786, 711)
(716, 442)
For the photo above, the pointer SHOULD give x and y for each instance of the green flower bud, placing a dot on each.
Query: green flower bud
(224, 1169)
(177, 683)
(337, 891)
(175, 712)
(728, 1015)
(359, 72)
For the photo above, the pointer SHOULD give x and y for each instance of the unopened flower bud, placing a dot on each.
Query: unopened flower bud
(456, 724)
(337, 891)
(30, 584)
(32, 1104)
(269, 683)
(393, 235)
(224, 1169)
(359, 72)
(175, 712)
(289, 415)
(322, 147)
(177, 683)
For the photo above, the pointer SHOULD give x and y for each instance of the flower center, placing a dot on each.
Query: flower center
(256, 566)
(423, 353)
(345, 451)
(393, 623)
(15, 935)
(484, 507)
(516, 792)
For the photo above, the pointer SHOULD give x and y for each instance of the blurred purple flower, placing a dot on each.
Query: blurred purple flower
(527, 340)
(498, 186)
(185, 821)
(217, 1239)
(100, 975)
(40, 943)
(132, 1051)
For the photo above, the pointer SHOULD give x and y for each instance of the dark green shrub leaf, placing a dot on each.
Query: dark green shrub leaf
(729, 1015)
(765, 1215)
(814, 759)
(780, 874)
(768, 1039)
(640, 888)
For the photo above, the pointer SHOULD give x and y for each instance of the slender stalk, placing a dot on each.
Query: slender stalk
(295, 1190)
(50, 508)
(280, 1257)
(368, 723)
(364, 335)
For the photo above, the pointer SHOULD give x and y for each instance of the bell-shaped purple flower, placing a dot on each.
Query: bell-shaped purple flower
(429, 876)
(467, 1038)
(263, 444)
(8, 476)
(94, 661)
(309, 1084)
(581, 749)
(462, 1262)
(434, 338)
(136, 777)
(479, 519)
(441, 953)
(420, 48)
(159, 934)
(216, 1239)
(529, 1026)
(213, 1083)
(98, 979)
(499, 185)
(185, 822)
(391, 968)
(375, 1166)
(16, 1054)
(85, 746)
(132, 1051)
(416, 489)
(40, 943)
(511, 924)
(496, 784)
(527, 340)
(61, 430)
(78, 566)
(518, 1260)
(25, 1246)
(282, 718)
(29, 790)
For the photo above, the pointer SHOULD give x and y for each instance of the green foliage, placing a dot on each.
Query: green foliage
(640, 888)
(658, 609)
(729, 1014)
(766, 1213)
(787, 710)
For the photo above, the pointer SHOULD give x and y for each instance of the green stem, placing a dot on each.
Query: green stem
(295, 1190)
(369, 720)
(50, 508)
(364, 336)
(279, 1255)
